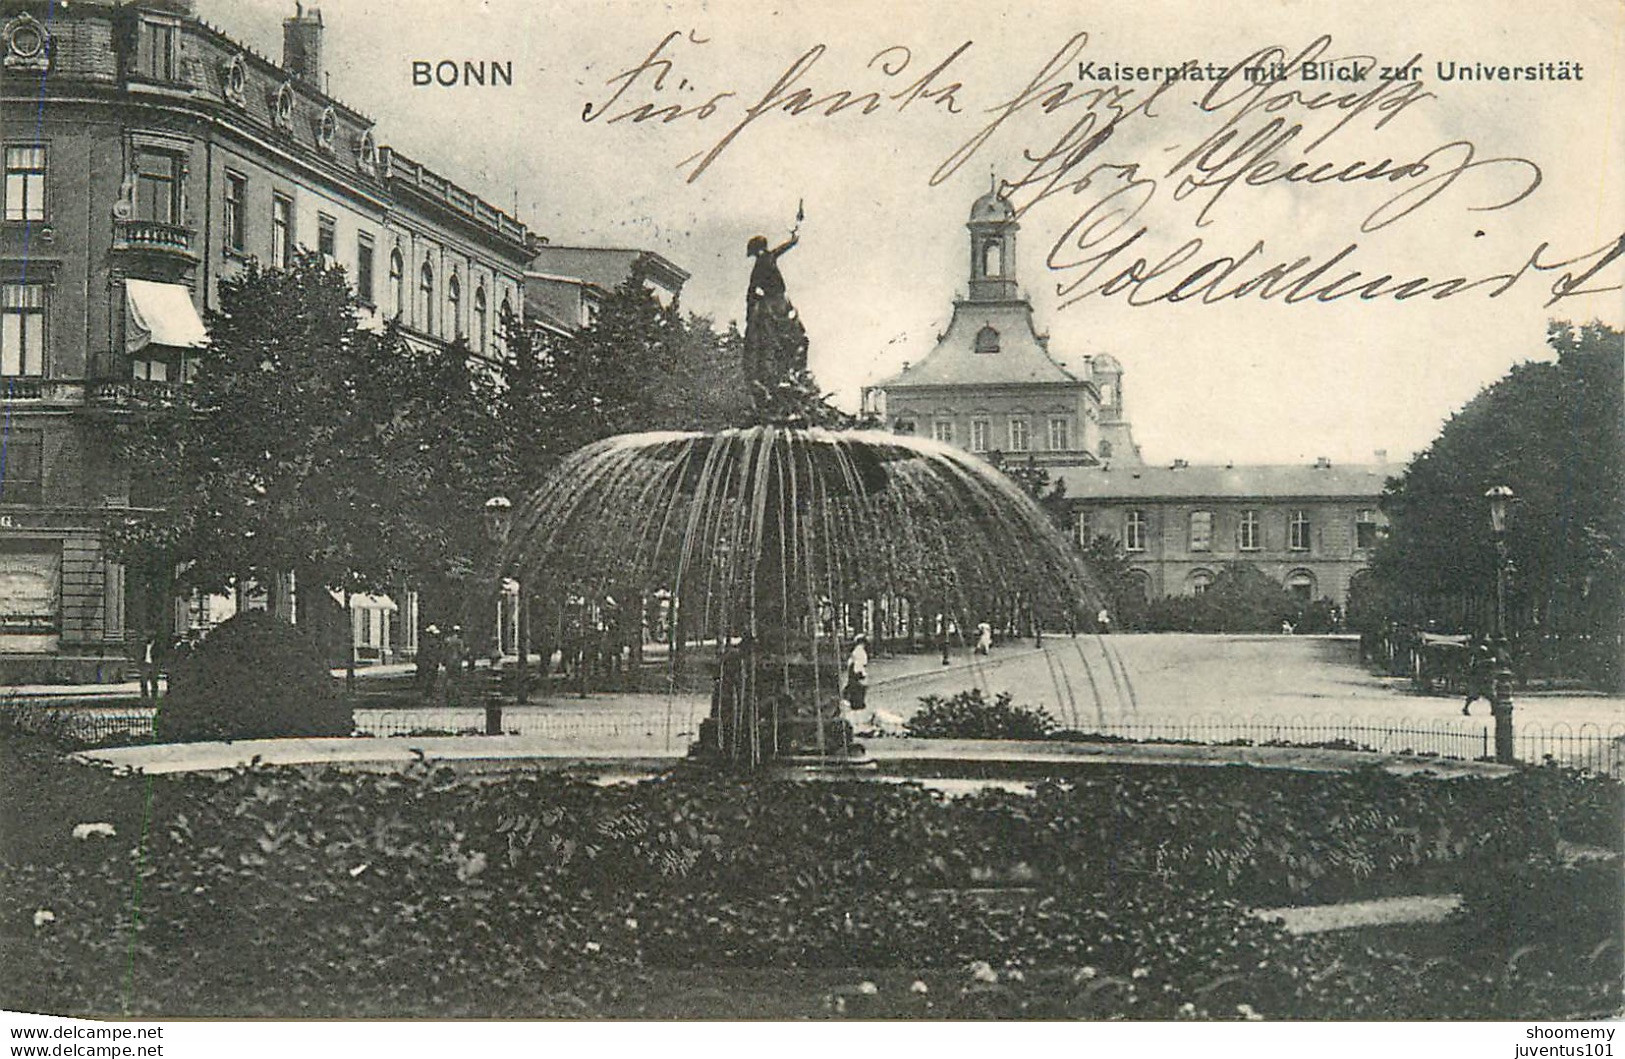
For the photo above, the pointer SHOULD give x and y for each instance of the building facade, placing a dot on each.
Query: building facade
(565, 284)
(1311, 528)
(149, 156)
(991, 384)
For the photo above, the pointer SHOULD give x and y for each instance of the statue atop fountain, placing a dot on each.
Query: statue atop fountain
(775, 340)
(776, 544)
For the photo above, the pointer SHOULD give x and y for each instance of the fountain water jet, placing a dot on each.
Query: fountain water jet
(763, 538)
(766, 538)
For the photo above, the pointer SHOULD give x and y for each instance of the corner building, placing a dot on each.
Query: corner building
(148, 156)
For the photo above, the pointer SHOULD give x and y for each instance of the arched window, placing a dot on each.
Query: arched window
(454, 305)
(1199, 581)
(397, 281)
(987, 340)
(993, 258)
(479, 319)
(507, 309)
(426, 288)
(1301, 585)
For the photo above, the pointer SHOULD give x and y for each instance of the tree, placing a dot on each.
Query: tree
(1242, 598)
(440, 449)
(1551, 431)
(1123, 587)
(639, 365)
(307, 443)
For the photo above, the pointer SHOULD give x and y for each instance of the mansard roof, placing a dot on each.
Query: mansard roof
(1021, 358)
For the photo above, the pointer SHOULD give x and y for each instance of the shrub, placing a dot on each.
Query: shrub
(968, 715)
(1553, 913)
(255, 677)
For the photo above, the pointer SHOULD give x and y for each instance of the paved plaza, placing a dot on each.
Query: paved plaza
(1166, 687)
(1090, 680)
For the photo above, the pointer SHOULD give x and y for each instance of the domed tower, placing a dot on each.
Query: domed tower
(993, 228)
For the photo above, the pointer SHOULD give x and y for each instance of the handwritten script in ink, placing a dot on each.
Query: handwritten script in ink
(1081, 128)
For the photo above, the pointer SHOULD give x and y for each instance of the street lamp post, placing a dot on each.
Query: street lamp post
(498, 522)
(1500, 497)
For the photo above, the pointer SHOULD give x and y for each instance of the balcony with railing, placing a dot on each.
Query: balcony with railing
(125, 395)
(29, 390)
(155, 237)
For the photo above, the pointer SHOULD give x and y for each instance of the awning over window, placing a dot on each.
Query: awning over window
(160, 314)
(364, 601)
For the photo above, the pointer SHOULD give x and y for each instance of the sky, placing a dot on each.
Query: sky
(1478, 180)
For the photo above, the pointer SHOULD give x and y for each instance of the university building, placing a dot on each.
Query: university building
(148, 156)
(1311, 527)
(993, 385)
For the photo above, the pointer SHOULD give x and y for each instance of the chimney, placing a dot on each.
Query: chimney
(302, 46)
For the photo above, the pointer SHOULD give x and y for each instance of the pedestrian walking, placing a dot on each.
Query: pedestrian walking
(984, 638)
(1103, 621)
(428, 662)
(147, 659)
(857, 676)
(1480, 676)
(454, 652)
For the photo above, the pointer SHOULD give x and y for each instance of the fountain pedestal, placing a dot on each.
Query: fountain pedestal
(778, 709)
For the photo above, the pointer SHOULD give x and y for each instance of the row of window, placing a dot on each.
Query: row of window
(23, 316)
(284, 240)
(158, 195)
(157, 185)
(1018, 433)
(1249, 530)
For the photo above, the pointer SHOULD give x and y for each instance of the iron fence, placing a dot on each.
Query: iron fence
(540, 722)
(1587, 746)
(80, 724)
(1440, 738)
(1593, 747)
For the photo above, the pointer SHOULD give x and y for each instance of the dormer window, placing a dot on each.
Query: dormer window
(235, 82)
(282, 108)
(327, 129)
(155, 52)
(366, 151)
(987, 340)
(27, 44)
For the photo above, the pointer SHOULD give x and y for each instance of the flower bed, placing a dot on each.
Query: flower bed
(1124, 894)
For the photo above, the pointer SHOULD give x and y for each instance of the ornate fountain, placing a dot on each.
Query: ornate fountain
(772, 542)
